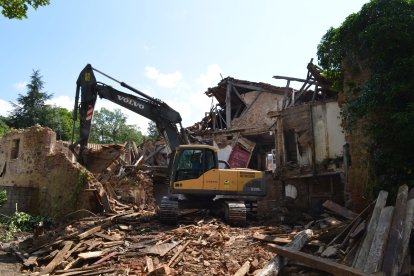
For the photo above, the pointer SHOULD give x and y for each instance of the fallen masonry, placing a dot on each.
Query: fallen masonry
(133, 242)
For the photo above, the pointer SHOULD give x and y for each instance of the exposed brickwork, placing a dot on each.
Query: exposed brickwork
(41, 178)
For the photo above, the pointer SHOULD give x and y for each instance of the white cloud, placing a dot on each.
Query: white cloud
(164, 80)
(211, 77)
(62, 101)
(5, 108)
(20, 86)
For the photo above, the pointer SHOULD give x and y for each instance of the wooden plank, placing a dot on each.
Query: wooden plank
(73, 250)
(361, 257)
(317, 262)
(160, 249)
(408, 224)
(103, 259)
(376, 253)
(274, 239)
(274, 266)
(243, 270)
(112, 244)
(71, 264)
(150, 264)
(178, 253)
(338, 209)
(90, 232)
(390, 263)
(91, 255)
(228, 105)
(362, 215)
(58, 258)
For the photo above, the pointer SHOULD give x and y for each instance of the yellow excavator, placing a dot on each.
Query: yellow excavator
(195, 177)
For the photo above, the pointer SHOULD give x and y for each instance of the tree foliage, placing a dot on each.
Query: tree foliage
(152, 130)
(18, 8)
(31, 108)
(379, 40)
(111, 127)
(4, 126)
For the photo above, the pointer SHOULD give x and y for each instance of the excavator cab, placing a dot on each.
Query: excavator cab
(192, 162)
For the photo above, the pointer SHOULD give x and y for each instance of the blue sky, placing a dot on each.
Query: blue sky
(171, 50)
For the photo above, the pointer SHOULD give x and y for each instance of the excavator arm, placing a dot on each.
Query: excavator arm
(87, 91)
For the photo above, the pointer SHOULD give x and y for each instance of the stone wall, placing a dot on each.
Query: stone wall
(39, 176)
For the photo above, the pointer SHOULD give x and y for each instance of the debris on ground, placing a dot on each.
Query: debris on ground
(133, 242)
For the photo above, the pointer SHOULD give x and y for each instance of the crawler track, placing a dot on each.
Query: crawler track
(235, 213)
(168, 212)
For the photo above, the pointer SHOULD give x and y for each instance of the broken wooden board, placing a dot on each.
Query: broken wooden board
(390, 262)
(93, 230)
(317, 262)
(172, 260)
(274, 239)
(243, 269)
(91, 254)
(274, 266)
(362, 255)
(338, 209)
(160, 249)
(379, 242)
(58, 258)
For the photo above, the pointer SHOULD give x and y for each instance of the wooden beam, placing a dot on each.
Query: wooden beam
(317, 262)
(58, 258)
(291, 79)
(178, 253)
(238, 95)
(251, 87)
(361, 257)
(266, 238)
(228, 105)
(364, 214)
(93, 230)
(338, 209)
(377, 250)
(408, 224)
(390, 263)
(274, 266)
(243, 270)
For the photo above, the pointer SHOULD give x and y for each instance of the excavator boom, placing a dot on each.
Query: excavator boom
(87, 91)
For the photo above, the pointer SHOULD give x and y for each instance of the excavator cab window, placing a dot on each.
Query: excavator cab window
(192, 163)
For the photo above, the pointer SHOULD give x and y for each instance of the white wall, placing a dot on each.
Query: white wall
(328, 133)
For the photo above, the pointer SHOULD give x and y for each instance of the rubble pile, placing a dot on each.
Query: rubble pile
(134, 187)
(135, 243)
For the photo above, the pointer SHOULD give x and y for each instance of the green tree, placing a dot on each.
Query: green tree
(31, 108)
(152, 130)
(110, 127)
(18, 8)
(4, 127)
(60, 120)
(378, 41)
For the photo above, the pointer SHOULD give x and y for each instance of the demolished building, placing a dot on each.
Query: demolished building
(296, 134)
(39, 176)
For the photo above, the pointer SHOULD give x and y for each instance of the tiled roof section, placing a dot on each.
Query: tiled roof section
(242, 87)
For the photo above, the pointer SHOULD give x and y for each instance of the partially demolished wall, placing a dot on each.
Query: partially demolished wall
(39, 176)
(301, 141)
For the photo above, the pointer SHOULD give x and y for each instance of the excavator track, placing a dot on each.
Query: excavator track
(235, 213)
(168, 211)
